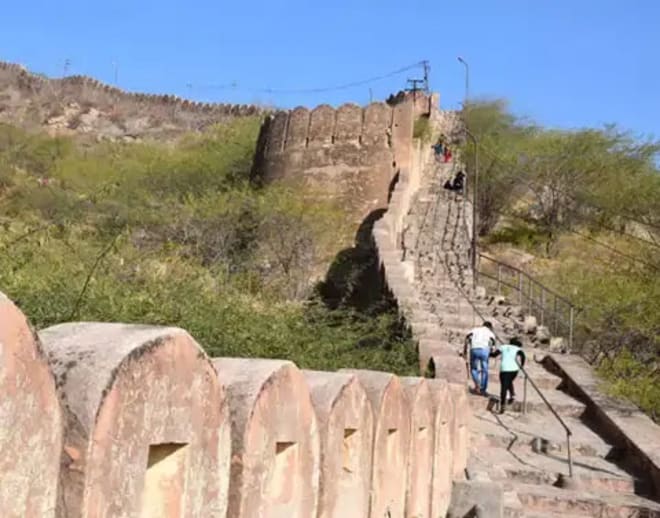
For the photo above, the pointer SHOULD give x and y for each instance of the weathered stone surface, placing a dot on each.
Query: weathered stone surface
(147, 425)
(472, 498)
(391, 442)
(530, 324)
(443, 447)
(422, 447)
(346, 429)
(275, 439)
(460, 433)
(296, 136)
(30, 421)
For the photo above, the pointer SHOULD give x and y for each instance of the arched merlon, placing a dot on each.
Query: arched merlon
(346, 429)
(30, 421)
(275, 440)
(147, 427)
(443, 454)
(460, 433)
(391, 441)
(77, 88)
(422, 439)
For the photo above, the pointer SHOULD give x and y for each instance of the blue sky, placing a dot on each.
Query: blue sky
(566, 63)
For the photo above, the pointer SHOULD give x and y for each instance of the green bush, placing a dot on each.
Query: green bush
(176, 235)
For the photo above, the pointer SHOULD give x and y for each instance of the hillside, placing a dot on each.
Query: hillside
(175, 234)
(580, 210)
(86, 108)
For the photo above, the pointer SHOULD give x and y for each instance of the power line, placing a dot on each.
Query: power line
(235, 86)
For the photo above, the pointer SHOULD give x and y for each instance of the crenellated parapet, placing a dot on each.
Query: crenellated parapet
(108, 419)
(80, 89)
(350, 153)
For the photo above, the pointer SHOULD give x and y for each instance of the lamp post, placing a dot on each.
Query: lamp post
(467, 82)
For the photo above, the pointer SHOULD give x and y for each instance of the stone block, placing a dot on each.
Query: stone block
(30, 421)
(391, 442)
(422, 444)
(346, 425)
(543, 334)
(480, 292)
(443, 452)
(530, 324)
(460, 443)
(451, 368)
(478, 499)
(147, 422)
(557, 345)
(275, 439)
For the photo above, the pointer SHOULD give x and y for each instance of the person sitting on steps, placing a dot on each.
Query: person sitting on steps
(480, 340)
(513, 357)
(457, 184)
(439, 147)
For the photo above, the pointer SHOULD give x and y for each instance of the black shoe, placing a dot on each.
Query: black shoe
(511, 400)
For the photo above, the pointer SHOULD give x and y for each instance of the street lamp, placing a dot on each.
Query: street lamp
(467, 81)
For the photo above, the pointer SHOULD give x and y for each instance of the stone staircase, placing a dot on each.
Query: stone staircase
(524, 453)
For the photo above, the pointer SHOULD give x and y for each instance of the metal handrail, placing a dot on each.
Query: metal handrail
(546, 295)
(528, 378)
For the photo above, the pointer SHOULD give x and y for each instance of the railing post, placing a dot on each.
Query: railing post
(570, 457)
(571, 321)
(499, 277)
(520, 288)
(524, 408)
(542, 305)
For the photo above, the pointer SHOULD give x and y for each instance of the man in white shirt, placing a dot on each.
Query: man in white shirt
(480, 341)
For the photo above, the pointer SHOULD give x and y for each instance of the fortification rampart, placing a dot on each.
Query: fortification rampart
(22, 91)
(350, 153)
(130, 420)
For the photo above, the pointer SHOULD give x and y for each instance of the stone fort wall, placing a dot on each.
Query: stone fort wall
(107, 420)
(20, 88)
(351, 153)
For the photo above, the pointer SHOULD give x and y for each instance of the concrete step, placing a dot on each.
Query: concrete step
(518, 432)
(593, 474)
(563, 404)
(608, 505)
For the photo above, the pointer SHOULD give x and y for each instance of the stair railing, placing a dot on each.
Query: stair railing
(527, 377)
(552, 309)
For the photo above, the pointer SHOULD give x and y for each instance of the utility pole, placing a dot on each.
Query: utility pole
(427, 70)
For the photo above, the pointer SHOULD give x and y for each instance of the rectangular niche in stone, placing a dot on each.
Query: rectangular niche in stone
(164, 482)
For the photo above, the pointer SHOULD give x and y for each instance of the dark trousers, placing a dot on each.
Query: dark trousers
(506, 385)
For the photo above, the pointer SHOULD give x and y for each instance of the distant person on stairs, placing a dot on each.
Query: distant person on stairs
(439, 147)
(457, 183)
(512, 357)
(480, 341)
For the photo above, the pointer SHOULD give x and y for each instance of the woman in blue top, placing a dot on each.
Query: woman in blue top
(513, 358)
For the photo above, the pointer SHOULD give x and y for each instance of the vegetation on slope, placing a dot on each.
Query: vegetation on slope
(176, 235)
(586, 204)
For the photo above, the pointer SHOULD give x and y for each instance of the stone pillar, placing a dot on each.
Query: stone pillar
(422, 438)
(275, 440)
(30, 421)
(147, 430)
(346, 429)
(443, 467)
(391, 442)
